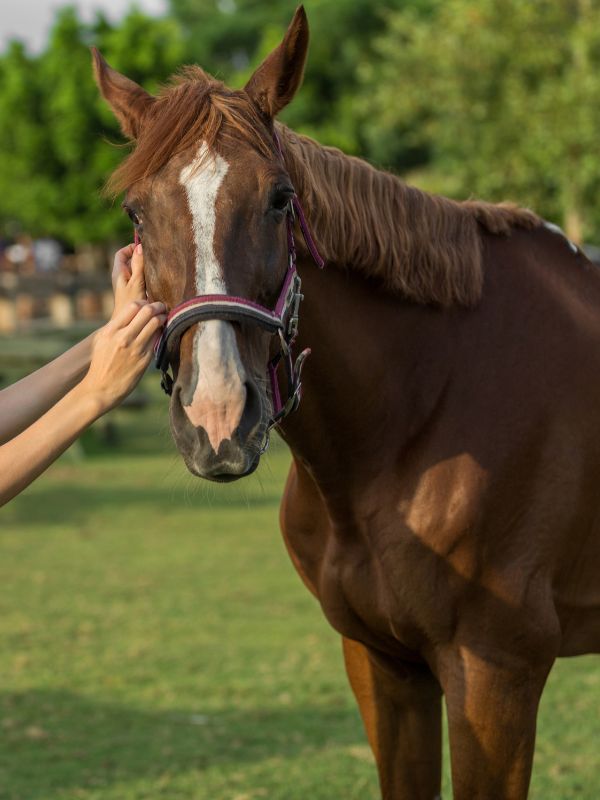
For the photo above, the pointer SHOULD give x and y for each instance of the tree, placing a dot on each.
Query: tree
(55, 131)
(229, 38)
(501, 98)
(23, 138)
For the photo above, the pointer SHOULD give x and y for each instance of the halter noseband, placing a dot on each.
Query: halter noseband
(281, 321)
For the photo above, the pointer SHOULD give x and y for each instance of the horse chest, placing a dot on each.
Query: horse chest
(377, 582)
(363, 601)
(381, 597)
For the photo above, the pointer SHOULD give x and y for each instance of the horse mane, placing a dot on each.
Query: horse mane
(422, 246)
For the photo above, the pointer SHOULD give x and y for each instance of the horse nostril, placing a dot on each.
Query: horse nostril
(251, 416)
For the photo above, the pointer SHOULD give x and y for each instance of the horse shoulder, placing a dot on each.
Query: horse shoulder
(303, 522)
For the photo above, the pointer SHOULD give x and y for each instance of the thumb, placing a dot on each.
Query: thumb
(120, 279)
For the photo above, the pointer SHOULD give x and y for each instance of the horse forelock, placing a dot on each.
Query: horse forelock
(192, 108)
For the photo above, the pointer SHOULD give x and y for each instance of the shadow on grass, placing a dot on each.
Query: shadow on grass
(58, 740)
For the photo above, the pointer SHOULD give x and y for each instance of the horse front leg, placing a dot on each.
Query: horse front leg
(401, 710)
(492, 708)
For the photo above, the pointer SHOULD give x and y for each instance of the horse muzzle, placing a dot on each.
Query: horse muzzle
(218, 453)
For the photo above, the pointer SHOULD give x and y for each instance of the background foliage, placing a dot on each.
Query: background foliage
(493, 98)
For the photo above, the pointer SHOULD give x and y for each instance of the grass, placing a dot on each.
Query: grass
(157, 643)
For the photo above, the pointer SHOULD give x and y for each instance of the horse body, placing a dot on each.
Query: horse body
(476, 467)
(443, 499)
(454, 533)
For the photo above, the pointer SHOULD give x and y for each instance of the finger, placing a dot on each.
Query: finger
(127, 314)
(123, 257)
(145, 315)
(125, 253)
(150, 333)
(120, 279)
(121, 263)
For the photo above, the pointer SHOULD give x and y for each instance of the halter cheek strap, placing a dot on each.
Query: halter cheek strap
(281, 321)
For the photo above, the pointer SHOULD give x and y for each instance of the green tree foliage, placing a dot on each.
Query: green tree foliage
(229, 38)
(22, 136)
(495, 98)
(500, 98)
(54, 128)
(55, 131)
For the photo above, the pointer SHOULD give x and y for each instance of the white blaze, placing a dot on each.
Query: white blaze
(202, 179)
(219, 396)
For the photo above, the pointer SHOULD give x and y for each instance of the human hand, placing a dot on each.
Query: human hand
(121, 352)
(128, 277)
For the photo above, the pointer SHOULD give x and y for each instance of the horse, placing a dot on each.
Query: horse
(442, 504)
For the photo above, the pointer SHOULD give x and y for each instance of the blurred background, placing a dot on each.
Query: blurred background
(154, 638)
(497, 99)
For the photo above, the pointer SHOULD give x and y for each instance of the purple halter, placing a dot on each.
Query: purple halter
(281, 320)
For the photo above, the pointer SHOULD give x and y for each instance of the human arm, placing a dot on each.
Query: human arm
(122, 350)
(25, 401)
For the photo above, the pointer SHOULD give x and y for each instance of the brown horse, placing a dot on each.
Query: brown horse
(443, 503)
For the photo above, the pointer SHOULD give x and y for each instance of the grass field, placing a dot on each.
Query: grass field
(157, 643)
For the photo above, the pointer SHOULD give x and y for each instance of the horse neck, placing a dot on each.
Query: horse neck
(377, 371)
(424, 247)
(420, 246)
(379, 361)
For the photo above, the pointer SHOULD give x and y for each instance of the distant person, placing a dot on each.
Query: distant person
(18, 254)
(47, 254)
(42, 414)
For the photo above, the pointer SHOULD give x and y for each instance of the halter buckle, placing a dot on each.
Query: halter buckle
(296, 298)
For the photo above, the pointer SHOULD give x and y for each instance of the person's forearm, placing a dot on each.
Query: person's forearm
(25, 401)
(26, 456)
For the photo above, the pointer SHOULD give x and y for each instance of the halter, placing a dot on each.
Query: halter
(281, 321)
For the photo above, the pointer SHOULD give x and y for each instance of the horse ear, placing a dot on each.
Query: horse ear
(128, 100)
(278, 78)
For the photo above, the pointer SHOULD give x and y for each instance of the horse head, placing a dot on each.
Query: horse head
(208, 193)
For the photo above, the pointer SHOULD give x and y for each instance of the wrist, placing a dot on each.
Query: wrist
(94, 402)
(87, 347)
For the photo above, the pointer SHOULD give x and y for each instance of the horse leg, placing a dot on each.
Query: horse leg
(401, 710)
(492, 709)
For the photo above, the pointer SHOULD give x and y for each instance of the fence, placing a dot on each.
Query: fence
(53, 301)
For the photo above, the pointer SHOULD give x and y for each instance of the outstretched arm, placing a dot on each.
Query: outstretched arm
(25, 401)
(121, 352)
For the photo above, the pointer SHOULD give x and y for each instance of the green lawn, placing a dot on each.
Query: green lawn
(157, 643)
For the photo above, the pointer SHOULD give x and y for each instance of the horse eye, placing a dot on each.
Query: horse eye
(281, 197)
(133, 216)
